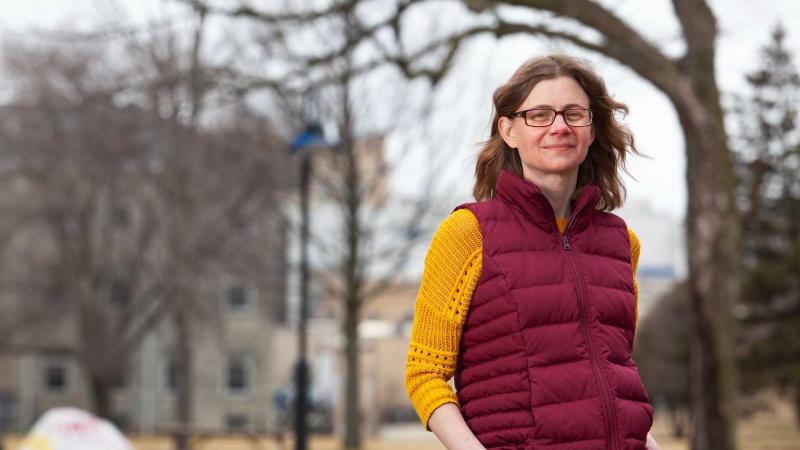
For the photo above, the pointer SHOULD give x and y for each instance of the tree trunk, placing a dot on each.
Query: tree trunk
(183, 363)
(352, 439)
(713, 255)
(713, 232)
(352, 275)
(676, 422)
(101, 398)
(797, 405)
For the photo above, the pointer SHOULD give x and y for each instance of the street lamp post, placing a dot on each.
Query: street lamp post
(312, 136)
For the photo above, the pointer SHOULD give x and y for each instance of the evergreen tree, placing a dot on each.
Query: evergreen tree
(768, 162)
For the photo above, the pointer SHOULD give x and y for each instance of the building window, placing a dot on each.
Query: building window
(120, 382)
(238, 374)
(120, 293)
(120, 216)
(120, 420)
(237, 298)
(55, 377)
(170, 374)
(236, 422)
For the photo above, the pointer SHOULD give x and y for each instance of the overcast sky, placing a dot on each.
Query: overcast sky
(744, 27)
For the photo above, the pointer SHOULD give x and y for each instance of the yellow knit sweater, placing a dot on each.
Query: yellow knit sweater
(452, 268)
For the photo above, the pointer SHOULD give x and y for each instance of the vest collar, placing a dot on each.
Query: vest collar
(528, 199)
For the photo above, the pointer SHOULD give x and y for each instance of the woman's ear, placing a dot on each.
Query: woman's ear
(504, 126)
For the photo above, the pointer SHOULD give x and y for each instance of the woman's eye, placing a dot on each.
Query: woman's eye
(541, 115)
(574, 114)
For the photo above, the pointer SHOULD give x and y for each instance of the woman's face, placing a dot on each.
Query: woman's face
(557, 149)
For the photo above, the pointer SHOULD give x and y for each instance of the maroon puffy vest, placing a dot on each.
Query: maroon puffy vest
(545, 356)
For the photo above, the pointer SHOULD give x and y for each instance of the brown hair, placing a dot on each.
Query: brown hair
(612, 140)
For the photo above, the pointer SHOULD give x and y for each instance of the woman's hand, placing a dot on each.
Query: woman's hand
(651, 443)
(449, 426)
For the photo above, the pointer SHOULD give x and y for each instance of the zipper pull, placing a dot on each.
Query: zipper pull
(565, 242)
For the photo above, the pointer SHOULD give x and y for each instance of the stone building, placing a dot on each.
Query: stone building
(233, 360)
(232, 367)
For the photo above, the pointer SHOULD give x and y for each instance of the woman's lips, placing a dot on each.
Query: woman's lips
(559, 146)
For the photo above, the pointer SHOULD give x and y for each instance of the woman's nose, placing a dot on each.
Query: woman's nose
(559, 124)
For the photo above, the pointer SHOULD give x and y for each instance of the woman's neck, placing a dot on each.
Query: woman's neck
(557, 188)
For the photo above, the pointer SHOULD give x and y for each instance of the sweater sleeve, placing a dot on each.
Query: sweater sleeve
(635, 250)
(452, 268)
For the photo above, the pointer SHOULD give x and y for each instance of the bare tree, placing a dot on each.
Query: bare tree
(377, 230)
(220, 184)
(355, 179)
(90, 229)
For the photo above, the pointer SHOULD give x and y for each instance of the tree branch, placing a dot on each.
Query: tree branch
(246, 11)
(699, 29)
(622, 42)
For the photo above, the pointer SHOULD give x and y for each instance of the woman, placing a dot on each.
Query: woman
(528, 296)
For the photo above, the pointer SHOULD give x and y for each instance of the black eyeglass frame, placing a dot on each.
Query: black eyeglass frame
(522, 114)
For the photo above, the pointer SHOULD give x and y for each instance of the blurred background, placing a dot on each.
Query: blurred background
(198, 194)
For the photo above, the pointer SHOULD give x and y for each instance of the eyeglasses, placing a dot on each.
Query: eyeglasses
(544, 117)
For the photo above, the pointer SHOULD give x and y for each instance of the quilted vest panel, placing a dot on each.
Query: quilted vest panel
(545, 356)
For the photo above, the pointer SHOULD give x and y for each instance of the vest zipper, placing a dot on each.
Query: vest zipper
(606, 401)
